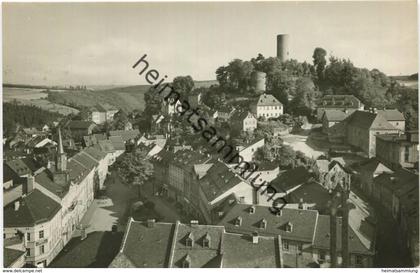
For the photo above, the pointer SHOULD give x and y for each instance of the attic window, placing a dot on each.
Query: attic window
(186, 263)
(190, 240)
(288, 227)
(238, 221)
(251, 210)
(263, 224)
(206, 241)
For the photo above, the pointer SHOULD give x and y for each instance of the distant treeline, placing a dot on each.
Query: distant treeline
(77, 87)
(25, 115)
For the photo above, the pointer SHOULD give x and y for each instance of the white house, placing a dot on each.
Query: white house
(267, 106)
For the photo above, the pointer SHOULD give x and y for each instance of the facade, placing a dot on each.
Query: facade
(101, 114)
(339, 103)
(332, 117)
(80, 128)
(267, 106)
(49, 214)
(194, 246)
(395, 117)
(169, 108)
(365, 173)
(243, 121)
(247, 150)
(35, 219)
(363, 128)
(398, 149)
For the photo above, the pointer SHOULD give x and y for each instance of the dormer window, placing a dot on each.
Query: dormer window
(186, 263)
(238, 221)
(263, 224)
(251, 210)
(288, 227)
(189, 241)
(206, 241)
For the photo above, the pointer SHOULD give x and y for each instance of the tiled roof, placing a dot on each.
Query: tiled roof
(335, 115)
(268, 100)
(187, 158)
(240, 252)
(391, 114)
(199, 254)
(11, 255)
(34, 209)
(368, 120)
(105, 146)
(399, 183)
(339, 101)
(218, 180)
(97, 154)
(291, 178)
(303, 221)
(19, 167)
(147, 247)
(126, 135)
(241, 115)
(44, 179)
(117, 143)
(165, 245)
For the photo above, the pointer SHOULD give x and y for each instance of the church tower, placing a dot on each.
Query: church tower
(60, 175)
(61, 160)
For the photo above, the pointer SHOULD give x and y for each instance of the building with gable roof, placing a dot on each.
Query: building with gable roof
(338, 103)
(175, 245)
(267, 106)
(305, 235)
(243, 121)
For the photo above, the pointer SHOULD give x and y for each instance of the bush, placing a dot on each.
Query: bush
(149, 205)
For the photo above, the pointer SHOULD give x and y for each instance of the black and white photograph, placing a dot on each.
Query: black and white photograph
(244, 134)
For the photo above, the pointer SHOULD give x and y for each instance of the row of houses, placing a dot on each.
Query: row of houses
(42, 218)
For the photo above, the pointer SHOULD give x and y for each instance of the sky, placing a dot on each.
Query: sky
(97, 43)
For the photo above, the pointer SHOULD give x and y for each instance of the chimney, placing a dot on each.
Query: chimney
(194, 223)
(30, 183)
(255, 237)
(150, 223)
(17, 205)
(300, 206)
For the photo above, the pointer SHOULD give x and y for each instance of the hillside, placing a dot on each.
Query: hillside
(127, 98)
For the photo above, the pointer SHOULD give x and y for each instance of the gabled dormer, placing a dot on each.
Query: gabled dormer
(189, 241)
(206, 240)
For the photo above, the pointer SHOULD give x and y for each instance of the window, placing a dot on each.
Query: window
(285, 245)
(288, 227)
(28, 252)
(406, 153)
(359, 260)
(28, 237)
(322, 255)
(189, 242)
(42, 249)
(300, 247)
(41, 234)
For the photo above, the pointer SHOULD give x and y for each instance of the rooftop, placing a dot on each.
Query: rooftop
(268, 100)
(34, 209)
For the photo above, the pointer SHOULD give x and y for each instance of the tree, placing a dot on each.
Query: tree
(303, 102)
(183, 85)
(287, 156)
(134, 167)
(319, 59)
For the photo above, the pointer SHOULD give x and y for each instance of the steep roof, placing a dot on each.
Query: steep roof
(105, 146)
(339, 101)
(335, 115)
(11, 255)
(218, 179)
(268, 100)
(125, 134)
(291, 178)
(34, 209)
(369, 120)
(303, 221)
(117, 142)
(165, 245)
(241, 252)
(241, 115)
